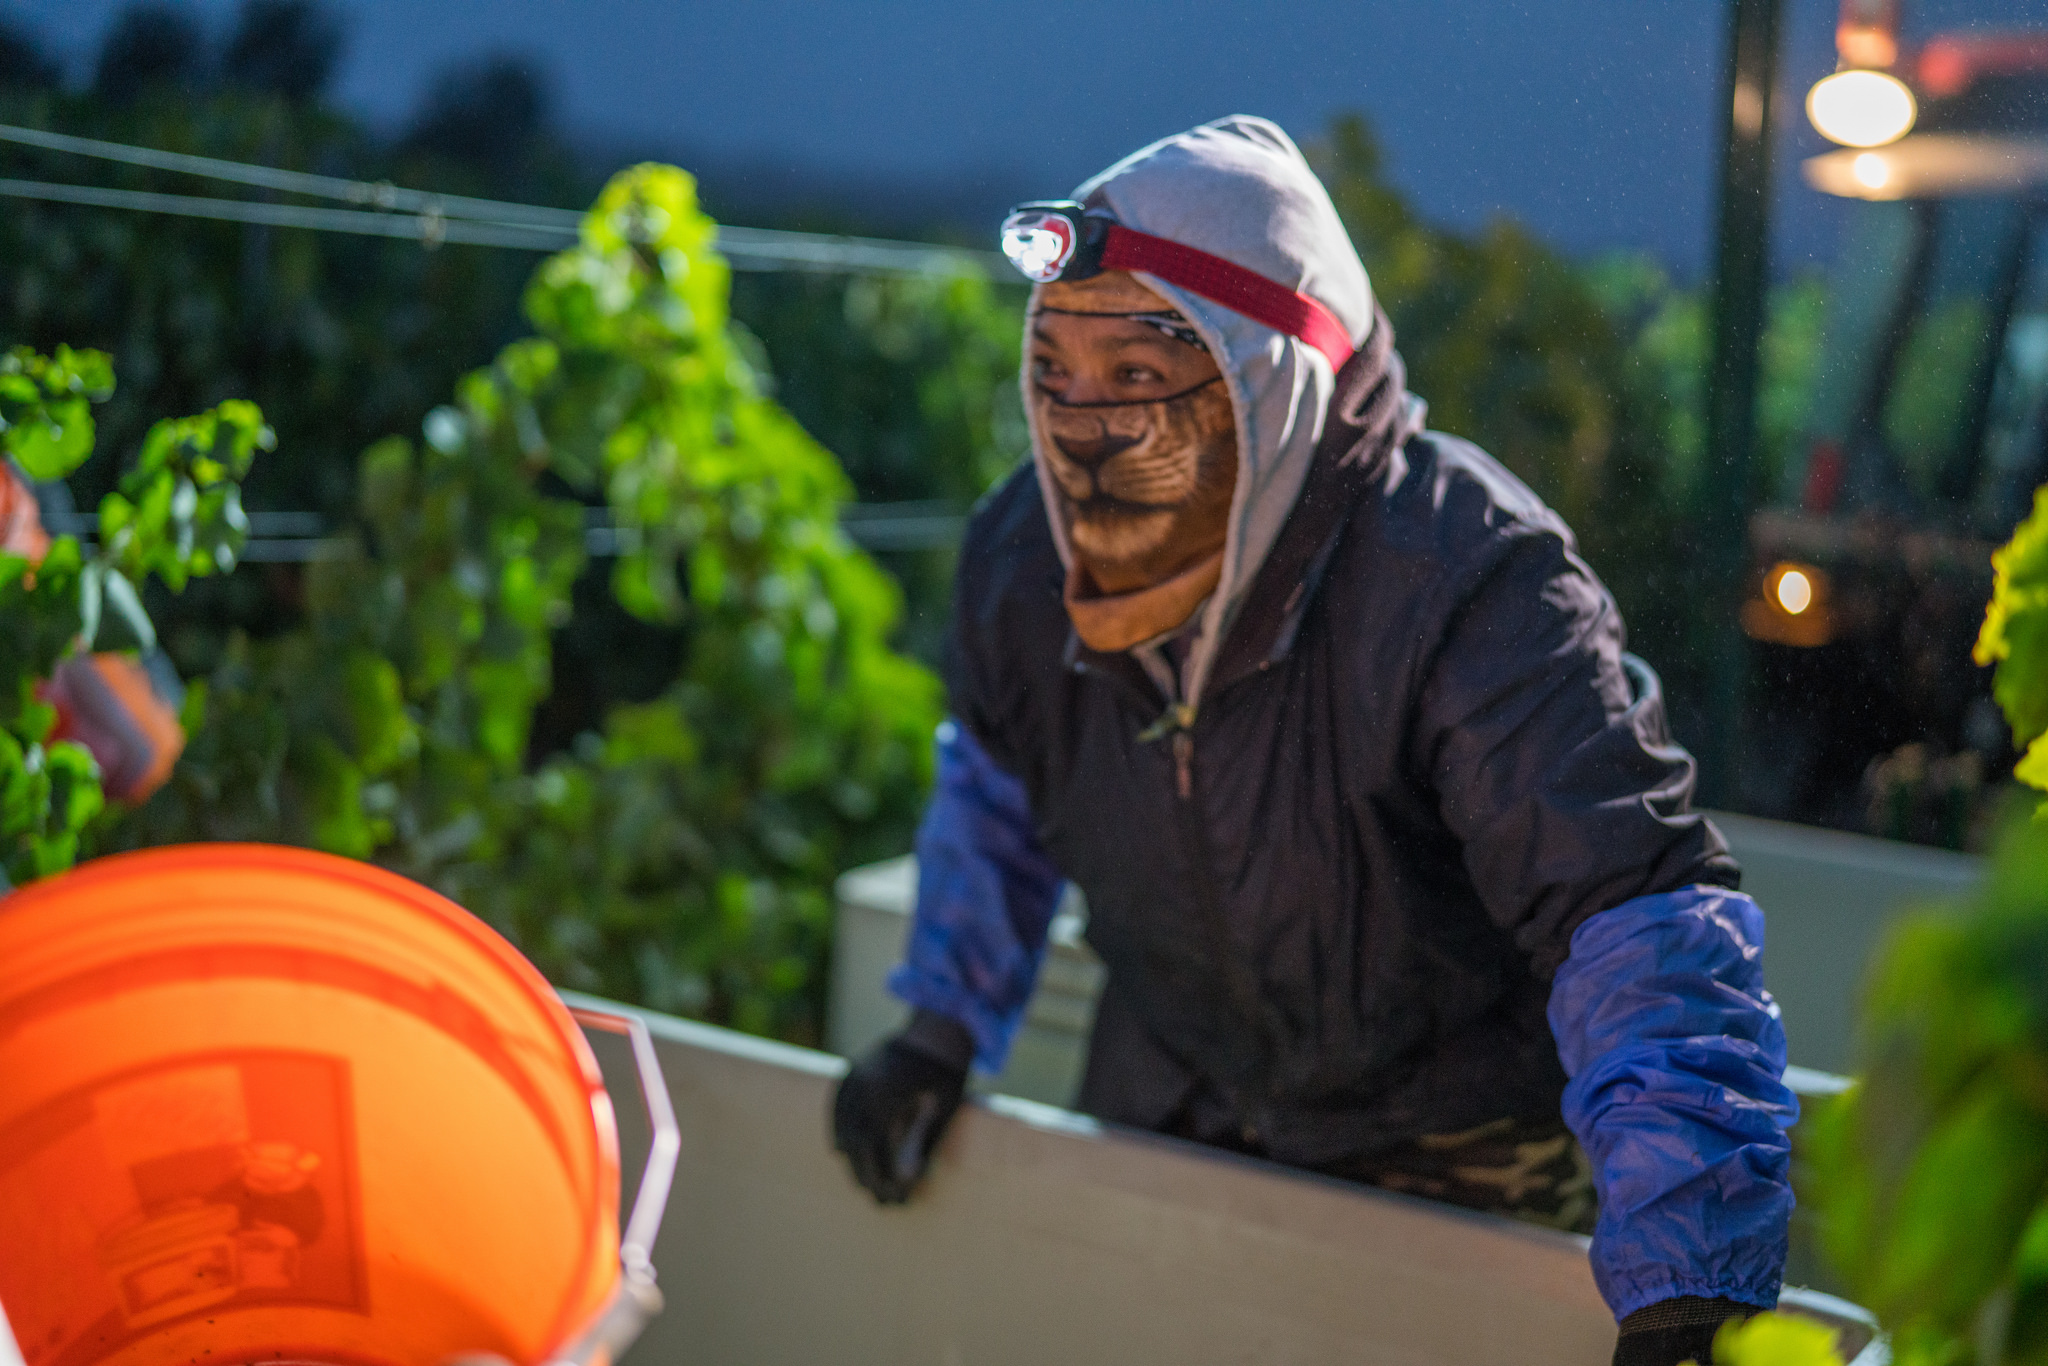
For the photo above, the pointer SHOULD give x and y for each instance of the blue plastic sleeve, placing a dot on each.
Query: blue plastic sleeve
(1676, 1056)
(986, 893)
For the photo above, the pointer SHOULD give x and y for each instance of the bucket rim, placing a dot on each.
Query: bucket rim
(252, 856)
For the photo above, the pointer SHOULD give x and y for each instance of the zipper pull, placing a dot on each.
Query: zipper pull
(1184, 763)
(1180, 716)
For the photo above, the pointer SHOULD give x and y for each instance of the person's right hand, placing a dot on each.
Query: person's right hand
(889, 1113)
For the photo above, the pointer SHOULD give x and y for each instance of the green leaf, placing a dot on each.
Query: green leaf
(54, 442)
(381, 731)
(1776, 1340)
(2015, 631)
(178, 513)
(2032, 768)
(124, 612)
(340, 824)
(45, 407)
(1965, 1201)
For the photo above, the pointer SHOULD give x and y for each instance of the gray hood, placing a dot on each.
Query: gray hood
(1239, 188)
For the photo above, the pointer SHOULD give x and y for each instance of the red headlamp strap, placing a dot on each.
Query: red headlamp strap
(1227, 283)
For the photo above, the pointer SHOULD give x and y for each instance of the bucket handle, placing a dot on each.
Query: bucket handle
(637, 1300)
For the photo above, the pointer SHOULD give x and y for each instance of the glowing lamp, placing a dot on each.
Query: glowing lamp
(1794, 592)
(1862, 108)
(1792, 608)
(1040, 243)
(1871, 170)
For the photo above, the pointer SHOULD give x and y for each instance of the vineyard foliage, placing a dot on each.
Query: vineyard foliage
(915, 380)
(1931, 1174)
(175, 516)
(682, 853)
(2015, 638)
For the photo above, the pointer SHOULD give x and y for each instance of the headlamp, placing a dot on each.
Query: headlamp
(1057, 239)
(1053, 239)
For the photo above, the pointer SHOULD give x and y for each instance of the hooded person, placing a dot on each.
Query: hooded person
(1385, 844)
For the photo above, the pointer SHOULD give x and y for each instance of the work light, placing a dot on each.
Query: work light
(1040, 238)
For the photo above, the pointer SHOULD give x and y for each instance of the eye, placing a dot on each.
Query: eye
(1137, 374)
(1046, 370)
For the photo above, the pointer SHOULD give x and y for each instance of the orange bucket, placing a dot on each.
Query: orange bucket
(262, 1104)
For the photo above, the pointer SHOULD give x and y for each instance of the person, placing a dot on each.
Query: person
(1384, 841)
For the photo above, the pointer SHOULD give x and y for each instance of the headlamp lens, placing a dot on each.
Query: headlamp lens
(1039, 243)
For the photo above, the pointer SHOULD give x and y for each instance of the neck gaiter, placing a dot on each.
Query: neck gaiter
(1144, 493)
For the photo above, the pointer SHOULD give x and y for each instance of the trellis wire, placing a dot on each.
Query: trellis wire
(387, 210)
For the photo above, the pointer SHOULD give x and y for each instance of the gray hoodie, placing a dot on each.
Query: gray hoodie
(1239, 188)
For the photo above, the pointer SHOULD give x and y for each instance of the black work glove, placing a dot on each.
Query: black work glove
(894, 1104)
(1676, 1330)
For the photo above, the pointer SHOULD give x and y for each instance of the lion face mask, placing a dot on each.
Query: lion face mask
(1138, 435)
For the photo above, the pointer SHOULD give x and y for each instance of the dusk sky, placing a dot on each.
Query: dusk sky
(1593, 121)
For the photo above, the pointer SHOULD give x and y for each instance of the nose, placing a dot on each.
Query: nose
(1092, 453)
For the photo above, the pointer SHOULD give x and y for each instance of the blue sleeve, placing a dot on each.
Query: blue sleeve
(1677, 1057)
(986, 894)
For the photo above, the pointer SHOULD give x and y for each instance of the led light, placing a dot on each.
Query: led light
(1039, 244)
(1035, 251)
(1793, 608)
(1872, 171)
(1794, 592)
(1862, 108)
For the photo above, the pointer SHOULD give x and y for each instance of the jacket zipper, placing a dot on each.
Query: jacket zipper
(1196, 837)
(1176, 726)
